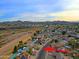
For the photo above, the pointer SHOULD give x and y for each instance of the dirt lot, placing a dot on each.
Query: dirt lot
(6, 50)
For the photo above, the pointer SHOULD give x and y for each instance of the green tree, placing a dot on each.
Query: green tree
(15, 49)
(20, 45)
(56, 41)
(63, 32)
(30, 51)
(35, 34)
(72, 43)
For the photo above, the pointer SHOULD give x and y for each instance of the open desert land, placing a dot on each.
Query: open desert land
(13, 39)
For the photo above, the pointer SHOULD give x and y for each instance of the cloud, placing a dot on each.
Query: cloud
(40, 10)
(73, 4)
(31, 17)
(68, 15)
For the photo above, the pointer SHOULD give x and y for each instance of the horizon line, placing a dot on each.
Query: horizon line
(38, 21)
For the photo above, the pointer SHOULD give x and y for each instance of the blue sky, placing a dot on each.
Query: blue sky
(33, 10)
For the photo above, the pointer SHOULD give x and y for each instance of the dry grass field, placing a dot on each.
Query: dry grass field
(13, 39)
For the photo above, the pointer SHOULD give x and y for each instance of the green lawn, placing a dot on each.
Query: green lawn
(76, 58)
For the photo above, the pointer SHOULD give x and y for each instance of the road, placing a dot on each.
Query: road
(43, 55)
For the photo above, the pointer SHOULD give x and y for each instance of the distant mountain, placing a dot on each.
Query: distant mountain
(11, 24)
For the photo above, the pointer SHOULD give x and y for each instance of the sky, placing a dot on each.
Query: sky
(39, 10)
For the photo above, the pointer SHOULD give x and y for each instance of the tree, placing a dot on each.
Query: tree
(35, 34)
(20, 45)
(72, 43)
(63, 32)
(38, 32)
(56, 41)
(30, 51)
(15, 49)
(69, 35)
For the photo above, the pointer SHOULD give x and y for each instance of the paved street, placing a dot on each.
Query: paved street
(43, 55)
